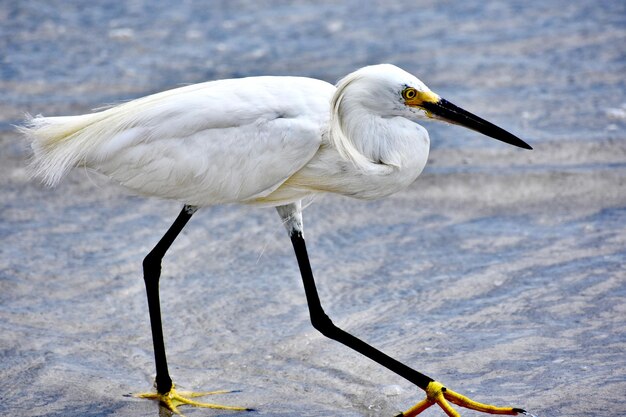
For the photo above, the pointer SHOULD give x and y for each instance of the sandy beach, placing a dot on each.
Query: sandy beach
(500, 272)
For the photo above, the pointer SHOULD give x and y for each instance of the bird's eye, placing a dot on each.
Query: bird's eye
(409, 93)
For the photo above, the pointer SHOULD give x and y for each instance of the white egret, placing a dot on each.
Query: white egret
(267, 141)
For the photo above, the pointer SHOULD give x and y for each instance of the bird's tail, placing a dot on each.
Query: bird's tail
(57, 144)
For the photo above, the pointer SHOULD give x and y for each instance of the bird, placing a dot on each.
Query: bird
(266, 141)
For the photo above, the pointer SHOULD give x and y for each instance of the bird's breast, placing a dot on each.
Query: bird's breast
(397, 157)
(327, 171)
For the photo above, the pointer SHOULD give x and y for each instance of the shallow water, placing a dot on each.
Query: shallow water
(499, 272)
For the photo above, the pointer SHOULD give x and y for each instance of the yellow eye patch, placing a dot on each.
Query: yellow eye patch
(413, 97)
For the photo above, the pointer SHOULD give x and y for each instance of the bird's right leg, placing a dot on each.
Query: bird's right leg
(166, 393)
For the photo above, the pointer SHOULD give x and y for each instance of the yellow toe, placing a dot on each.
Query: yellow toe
(173, 399)
(463, 401)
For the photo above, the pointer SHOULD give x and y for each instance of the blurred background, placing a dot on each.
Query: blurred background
(500, 272)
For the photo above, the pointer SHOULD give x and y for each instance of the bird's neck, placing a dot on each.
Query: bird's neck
(373, 142)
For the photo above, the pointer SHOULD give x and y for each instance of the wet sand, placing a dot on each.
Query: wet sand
(499, 272)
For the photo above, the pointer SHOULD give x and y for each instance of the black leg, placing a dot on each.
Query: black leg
(151, 275)
(322, 322)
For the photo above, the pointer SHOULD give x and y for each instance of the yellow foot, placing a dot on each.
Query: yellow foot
(436, 393)
(173, 399)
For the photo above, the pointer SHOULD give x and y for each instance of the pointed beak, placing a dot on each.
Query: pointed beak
(442, 109)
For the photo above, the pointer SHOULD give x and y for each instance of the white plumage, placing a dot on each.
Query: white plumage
(265, 140)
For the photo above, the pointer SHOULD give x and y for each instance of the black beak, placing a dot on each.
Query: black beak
(448, 112)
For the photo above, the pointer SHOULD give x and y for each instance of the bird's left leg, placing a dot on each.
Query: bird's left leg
(436, 393)
(166, 393)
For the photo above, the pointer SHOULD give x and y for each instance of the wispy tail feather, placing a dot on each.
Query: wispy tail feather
(56, 144)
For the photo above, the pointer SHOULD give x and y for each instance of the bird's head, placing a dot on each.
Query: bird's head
(393, 92)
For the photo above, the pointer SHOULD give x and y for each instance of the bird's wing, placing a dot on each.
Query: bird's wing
(216, 142)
